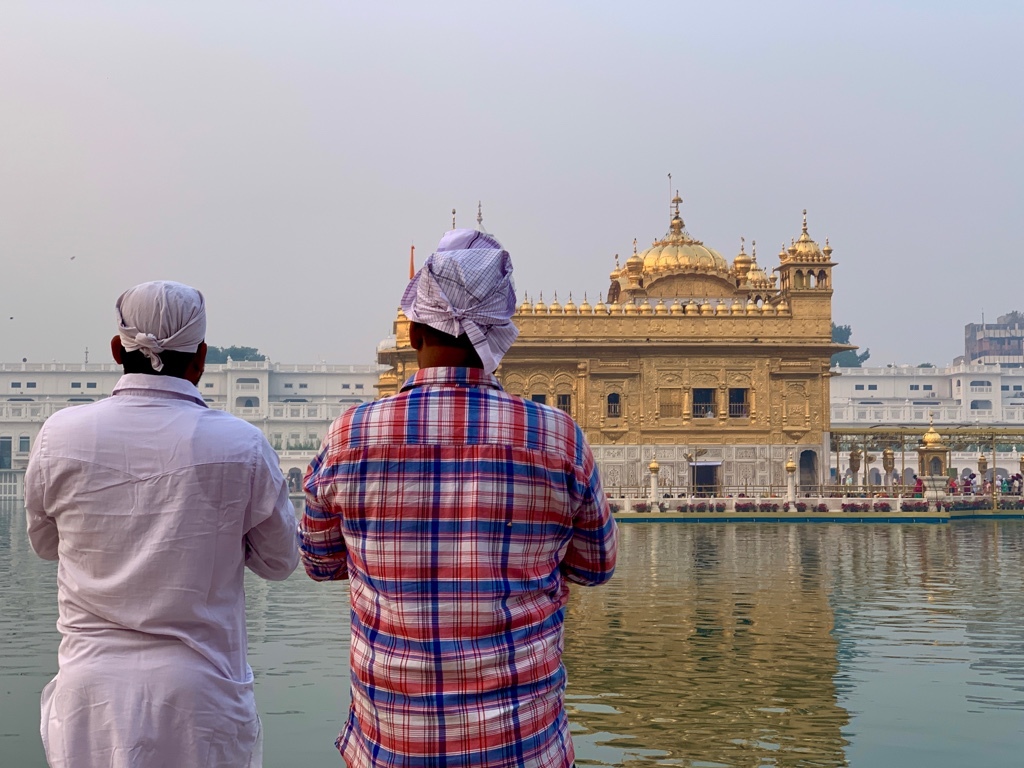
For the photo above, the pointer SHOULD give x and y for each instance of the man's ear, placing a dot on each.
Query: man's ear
(116, 350)
(416, 336)
(197, 366)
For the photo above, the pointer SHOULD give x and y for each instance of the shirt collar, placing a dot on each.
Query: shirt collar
(161, 386)
(451, 377)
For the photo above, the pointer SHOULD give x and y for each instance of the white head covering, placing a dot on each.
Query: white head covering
(161, 315)
(466, 286)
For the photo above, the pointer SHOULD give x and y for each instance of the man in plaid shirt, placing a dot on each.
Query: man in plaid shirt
(458, 513)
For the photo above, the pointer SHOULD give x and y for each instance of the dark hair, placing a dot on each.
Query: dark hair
(442, 339)
(175, 363)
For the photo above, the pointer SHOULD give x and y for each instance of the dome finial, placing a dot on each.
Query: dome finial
(805, 221)
(753, 249)
(453, 218)
(480, 215)
(634, 246)
(676, 202)
(743, 244)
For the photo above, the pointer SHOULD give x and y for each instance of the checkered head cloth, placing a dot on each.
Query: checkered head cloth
(466, 286)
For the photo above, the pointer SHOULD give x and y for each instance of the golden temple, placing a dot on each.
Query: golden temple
(718, 369)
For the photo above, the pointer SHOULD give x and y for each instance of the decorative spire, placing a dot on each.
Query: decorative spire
(743, 242)
(805, 221)
(479, 215)
(753, 249)
(453, 218)
(676, 202)
(634, 246)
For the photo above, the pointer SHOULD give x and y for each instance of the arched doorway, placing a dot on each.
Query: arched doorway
(808, 469)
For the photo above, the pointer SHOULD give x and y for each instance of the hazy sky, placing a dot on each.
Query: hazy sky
(283, 156)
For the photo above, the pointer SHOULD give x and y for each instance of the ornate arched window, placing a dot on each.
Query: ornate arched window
(614, 405)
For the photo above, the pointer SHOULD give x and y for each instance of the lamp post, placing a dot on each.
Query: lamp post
(855, 463)
(654, 468)
(790, 479)
(888, 464)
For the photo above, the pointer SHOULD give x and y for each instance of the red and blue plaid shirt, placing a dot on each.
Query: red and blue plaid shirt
(458, 512)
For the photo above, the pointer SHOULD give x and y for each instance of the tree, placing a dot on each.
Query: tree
(848, 358)
(221, 354)
(1012, 318)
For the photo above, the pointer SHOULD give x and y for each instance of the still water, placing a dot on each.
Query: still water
(714, 645)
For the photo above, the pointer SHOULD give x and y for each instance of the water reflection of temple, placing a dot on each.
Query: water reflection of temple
(715, 644)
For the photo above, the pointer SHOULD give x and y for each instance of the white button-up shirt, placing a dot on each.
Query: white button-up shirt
(154, 504)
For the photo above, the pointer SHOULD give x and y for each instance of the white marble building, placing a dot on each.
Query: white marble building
(971, 395)
(292, 404)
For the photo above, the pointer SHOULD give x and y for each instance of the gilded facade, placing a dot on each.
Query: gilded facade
(716, 368)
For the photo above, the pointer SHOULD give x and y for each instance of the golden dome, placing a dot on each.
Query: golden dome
(540, 307)
(526, 308)
(654, 466)
(645, 308)
(931, 439)
(555, 308)
(742, 261)
(600, 308)
(678, 251)
(660, 308)
(757, 277)
(570, 308)
(804, 248)
(585, 308)
(616, 273)
(676, 308)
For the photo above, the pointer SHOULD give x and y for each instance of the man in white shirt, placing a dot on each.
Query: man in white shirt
(154, 504)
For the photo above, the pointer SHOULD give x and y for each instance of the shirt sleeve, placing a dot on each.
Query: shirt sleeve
(324, 554)
(42, 528)
(271, 546)
(590, 558)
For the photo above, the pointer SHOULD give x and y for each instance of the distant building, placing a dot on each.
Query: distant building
(292, 404)
(1000, 343)
(957, 396)
(977, 395)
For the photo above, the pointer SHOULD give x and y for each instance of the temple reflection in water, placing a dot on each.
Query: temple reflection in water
(719, 648)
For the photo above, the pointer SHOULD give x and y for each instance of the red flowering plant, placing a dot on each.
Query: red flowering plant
(914, 506)
(883, 506)
(821, 508)
(744, 506)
